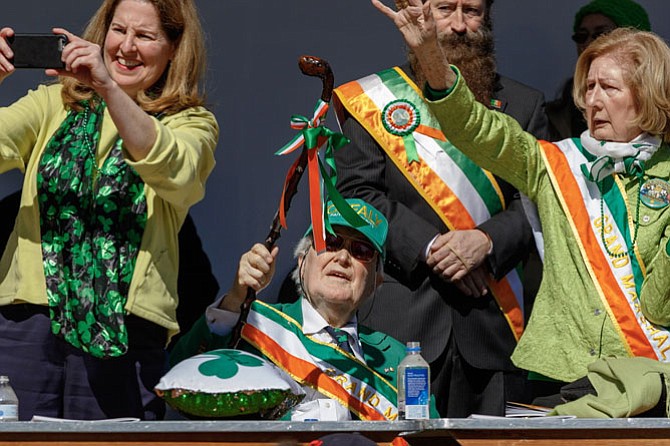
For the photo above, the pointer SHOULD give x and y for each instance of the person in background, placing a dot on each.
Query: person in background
(114, 154)
(454, 230)
(332, 285)
(592, 20)
(603, 199)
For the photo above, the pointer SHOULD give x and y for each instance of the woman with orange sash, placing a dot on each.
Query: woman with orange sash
(602, 198)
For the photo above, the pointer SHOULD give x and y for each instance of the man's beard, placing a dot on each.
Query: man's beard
(474, 55)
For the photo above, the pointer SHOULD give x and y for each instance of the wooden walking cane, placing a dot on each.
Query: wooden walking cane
(310, 66)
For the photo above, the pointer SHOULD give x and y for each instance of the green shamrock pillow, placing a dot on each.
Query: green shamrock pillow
(226, 383)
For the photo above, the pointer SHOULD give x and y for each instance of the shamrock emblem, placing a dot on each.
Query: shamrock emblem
(225, 365)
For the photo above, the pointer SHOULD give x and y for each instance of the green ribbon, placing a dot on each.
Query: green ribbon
(335, 141)
(410, 149)
(312, 133)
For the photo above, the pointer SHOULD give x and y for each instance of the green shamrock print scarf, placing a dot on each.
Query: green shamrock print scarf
(92, 220)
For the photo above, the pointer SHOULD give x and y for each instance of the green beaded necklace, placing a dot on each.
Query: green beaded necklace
(636, 221)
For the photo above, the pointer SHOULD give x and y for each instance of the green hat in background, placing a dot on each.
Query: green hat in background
(624, 13)
(375, 230)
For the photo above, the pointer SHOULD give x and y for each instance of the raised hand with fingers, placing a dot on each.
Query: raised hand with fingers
(415, 22)
(417, 26)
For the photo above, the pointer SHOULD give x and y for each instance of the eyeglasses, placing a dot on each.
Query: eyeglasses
(359, 249)
(581, 37)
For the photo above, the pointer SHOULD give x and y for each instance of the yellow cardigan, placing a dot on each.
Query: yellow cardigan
(174, 172)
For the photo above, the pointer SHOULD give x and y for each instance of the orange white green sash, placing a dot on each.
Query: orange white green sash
(617, 279)
(322, 366)
(460, 192)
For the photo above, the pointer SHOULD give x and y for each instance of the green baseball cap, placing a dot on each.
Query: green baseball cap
(376, 228)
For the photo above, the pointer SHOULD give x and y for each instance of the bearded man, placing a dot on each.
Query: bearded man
(456, 233)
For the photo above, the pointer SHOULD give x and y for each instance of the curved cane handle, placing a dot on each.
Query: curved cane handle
(310, 66)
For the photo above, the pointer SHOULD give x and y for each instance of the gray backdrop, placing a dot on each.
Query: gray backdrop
(254, 86)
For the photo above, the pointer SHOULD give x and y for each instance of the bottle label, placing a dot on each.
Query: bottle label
(9, 412)
(417, 393)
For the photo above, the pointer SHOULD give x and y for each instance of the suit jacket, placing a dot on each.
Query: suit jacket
(413, 304)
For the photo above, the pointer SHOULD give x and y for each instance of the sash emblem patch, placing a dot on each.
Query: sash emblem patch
(400, 117)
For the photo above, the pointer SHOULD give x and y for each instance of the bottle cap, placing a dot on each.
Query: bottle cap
(413, 346)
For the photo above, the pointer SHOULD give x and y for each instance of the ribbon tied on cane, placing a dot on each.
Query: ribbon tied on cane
(314, 135)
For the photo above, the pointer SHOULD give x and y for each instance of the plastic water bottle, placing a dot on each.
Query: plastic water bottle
(9, 403)
(413, 385)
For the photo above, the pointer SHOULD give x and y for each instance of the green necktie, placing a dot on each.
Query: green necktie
(341, 337)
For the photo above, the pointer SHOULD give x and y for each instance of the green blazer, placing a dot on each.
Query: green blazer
(381, 352)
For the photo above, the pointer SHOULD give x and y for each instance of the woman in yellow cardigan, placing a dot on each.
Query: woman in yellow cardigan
(114, 154)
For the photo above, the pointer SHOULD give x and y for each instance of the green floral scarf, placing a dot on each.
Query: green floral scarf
(92, 220)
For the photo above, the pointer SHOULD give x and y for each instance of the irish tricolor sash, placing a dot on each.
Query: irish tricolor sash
(600, 223)
(391, 108)
(322, 366)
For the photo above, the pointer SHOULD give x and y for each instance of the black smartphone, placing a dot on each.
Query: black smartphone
(37, 50)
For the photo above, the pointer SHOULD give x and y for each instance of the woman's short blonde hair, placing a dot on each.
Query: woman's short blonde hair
(180, 87)
(645, 60)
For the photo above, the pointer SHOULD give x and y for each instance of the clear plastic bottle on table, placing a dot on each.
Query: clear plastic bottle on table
(413, 385)
(9, 403)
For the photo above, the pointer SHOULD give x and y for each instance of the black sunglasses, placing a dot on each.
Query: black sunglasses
(359, 249)
(581, 37)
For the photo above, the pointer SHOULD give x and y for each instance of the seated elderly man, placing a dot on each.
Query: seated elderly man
(318, 333)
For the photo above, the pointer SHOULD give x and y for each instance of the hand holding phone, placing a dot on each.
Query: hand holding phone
(37, 50)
